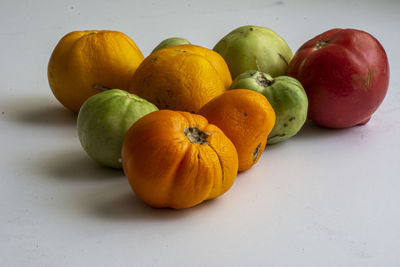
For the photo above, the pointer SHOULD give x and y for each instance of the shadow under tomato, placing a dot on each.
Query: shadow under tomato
(73, 165)
(100, 192)
(310, 130)
(120, 203)
(38, 111)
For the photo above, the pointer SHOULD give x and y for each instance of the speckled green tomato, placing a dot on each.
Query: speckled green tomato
(254, 48)
(173, 41)
(103, 121)
(287, 97)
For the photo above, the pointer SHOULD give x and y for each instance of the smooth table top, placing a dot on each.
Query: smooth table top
(323, 198)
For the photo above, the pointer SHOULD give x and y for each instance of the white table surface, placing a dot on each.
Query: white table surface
(323, 198)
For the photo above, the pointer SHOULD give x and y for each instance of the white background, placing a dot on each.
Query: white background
(323, 198)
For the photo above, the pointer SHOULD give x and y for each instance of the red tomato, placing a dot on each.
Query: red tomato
(345, 73)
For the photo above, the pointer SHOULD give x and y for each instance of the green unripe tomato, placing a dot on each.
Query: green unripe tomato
(286, 96)
(173, 41)
(254, 48)
(103, 121)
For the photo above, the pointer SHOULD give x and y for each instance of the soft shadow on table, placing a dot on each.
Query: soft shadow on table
(308, 132)
(38, 111)
(311, 130)
(107, 194)
(72, 165)
(121, 204)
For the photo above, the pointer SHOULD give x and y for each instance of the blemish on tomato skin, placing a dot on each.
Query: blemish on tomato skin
(89, 33)
(101, 87)
(256, 152)
(321, 44)
(364, 81)
(276, 135)
(283, 59)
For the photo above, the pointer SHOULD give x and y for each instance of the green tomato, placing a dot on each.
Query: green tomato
(173, 41)
(254, 48)
(286, 96)
(103, 121)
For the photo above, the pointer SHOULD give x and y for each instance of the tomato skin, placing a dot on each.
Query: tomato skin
(345, 73)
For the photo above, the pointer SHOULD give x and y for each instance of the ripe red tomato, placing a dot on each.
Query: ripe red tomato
(345, 73)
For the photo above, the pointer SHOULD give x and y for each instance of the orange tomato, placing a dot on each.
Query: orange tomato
(183, 77)
(177, 159)
(88, 62)
(246, 117)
